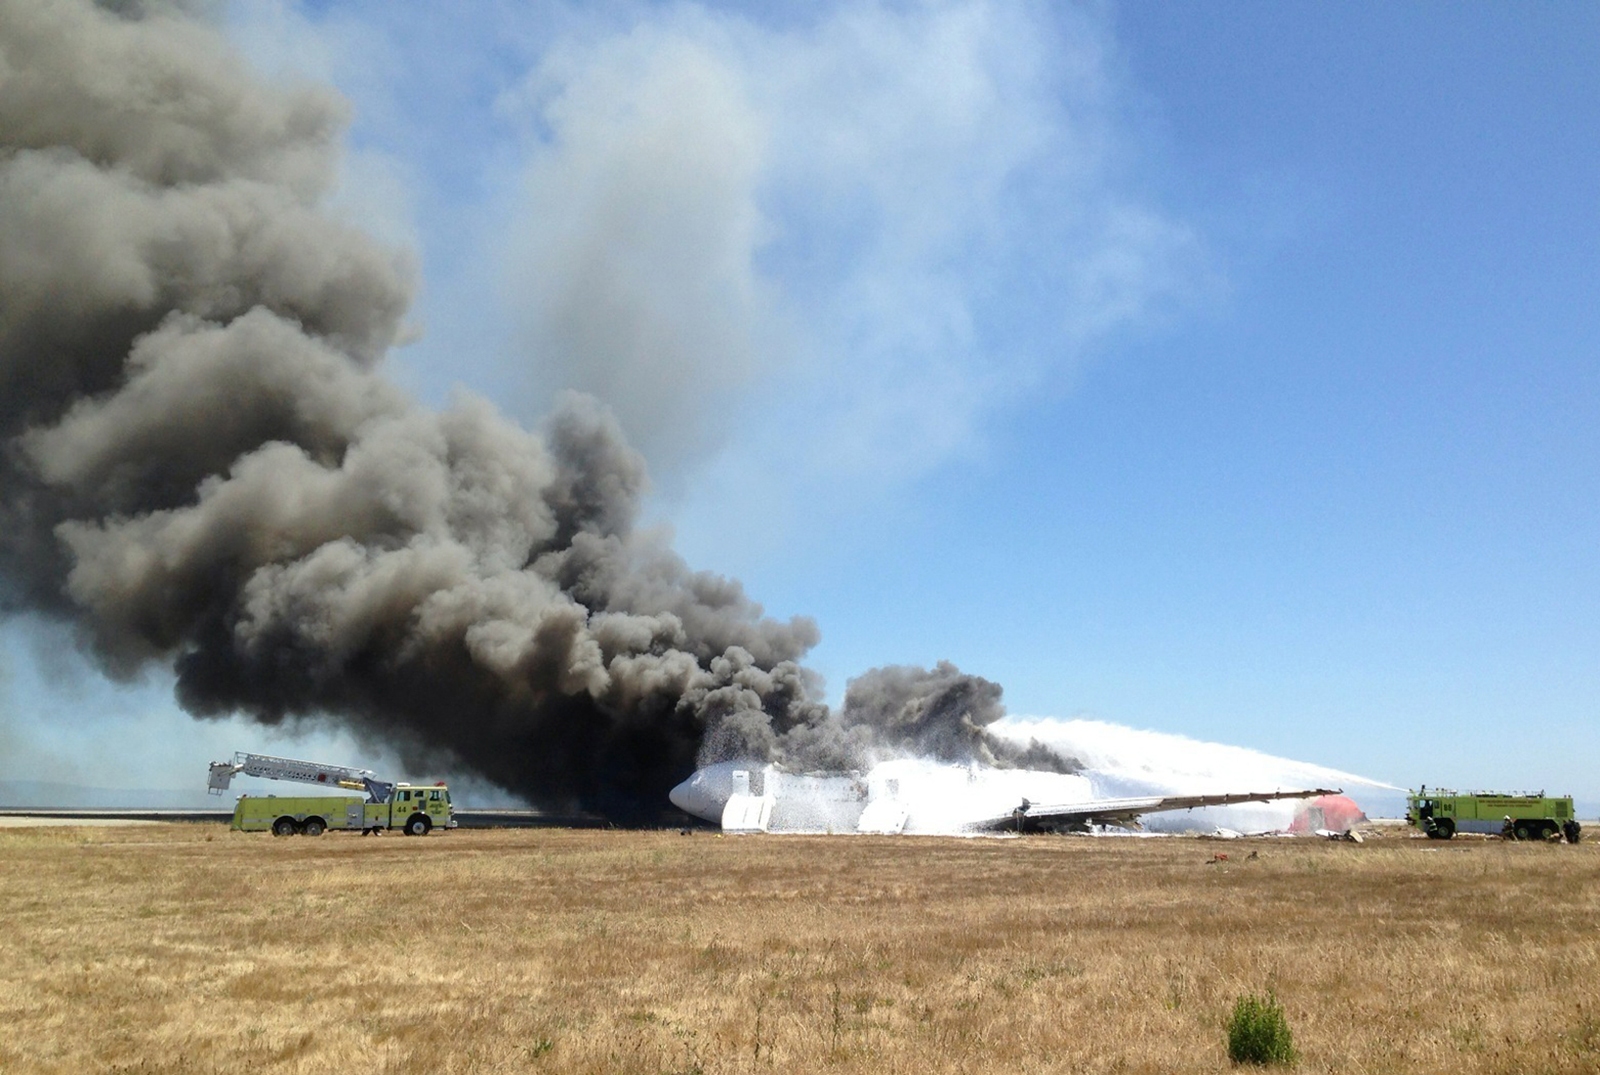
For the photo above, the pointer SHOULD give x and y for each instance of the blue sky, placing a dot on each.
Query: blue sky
(1228, 372)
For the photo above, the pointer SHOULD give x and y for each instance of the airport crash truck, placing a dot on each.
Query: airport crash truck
(1441, 814)
(415, 809)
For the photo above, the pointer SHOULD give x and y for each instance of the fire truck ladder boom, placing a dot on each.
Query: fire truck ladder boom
(304, 772)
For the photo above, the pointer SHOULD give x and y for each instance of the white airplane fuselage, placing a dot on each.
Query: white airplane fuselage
(905, 795)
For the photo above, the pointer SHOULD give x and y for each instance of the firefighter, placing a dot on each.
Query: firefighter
(1508, 831)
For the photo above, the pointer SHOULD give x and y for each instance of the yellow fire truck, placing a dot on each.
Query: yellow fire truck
(1441, 814)
(415, 809)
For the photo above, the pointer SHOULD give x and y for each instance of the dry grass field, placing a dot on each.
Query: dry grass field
(186, 948)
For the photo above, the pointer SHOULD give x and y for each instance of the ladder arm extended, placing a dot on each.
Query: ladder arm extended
(304, 772)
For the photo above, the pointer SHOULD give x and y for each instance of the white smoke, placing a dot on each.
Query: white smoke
(1122, 761)
(819, 246)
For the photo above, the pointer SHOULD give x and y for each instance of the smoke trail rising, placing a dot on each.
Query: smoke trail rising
(201, 464)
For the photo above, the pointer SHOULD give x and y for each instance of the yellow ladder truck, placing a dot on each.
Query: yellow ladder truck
(415, 809)
(1441, 814)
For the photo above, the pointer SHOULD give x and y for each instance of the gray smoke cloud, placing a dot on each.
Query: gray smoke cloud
(942, 713)
(201, 465)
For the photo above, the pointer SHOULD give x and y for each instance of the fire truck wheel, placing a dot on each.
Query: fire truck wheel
(313, 826)
(284, 826)
(1443, 829)
(418, 825)
(1522, 831)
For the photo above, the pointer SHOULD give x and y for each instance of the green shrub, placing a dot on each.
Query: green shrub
(1258, 1033)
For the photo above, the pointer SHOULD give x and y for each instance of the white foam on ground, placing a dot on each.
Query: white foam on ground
(1122, 761)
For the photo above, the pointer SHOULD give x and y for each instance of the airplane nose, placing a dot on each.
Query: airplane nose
(704, 794)
(688, 798)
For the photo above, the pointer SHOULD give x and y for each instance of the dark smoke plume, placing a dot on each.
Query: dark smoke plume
(941, 713)
(201, 467)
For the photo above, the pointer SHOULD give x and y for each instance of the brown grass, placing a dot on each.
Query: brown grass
(185, 948)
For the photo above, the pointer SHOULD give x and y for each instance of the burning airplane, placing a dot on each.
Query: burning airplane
(916, 796)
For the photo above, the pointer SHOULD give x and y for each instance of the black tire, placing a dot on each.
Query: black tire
(313, 826)
(284, 826)
(1443, 829)
(1522, 831)
(418, 825)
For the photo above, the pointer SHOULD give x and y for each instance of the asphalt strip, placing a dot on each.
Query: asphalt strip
(12, 821)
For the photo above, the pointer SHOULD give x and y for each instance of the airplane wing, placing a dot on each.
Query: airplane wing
(1126, 812)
